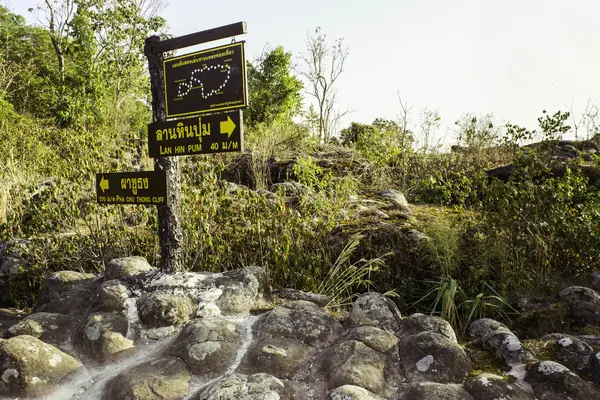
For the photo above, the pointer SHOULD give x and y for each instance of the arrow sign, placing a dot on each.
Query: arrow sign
(103, 184)
(198, 135)
(227, 126)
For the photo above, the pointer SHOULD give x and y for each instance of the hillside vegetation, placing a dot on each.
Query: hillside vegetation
(320, 212)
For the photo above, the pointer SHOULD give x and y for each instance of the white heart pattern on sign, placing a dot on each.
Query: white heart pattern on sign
(185, 87)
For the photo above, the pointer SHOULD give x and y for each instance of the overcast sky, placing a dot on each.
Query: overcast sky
(512, 58)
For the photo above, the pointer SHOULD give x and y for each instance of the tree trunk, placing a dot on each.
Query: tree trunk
(169, 223)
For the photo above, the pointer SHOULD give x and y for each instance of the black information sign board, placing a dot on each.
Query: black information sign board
(144, 187)
(206, 81)
(217, 133)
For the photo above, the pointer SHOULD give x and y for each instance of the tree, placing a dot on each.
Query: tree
(477, 131)
(273, 91)
(323, 67)
(429, 123)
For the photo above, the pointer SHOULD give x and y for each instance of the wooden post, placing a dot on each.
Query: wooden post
(170, 233)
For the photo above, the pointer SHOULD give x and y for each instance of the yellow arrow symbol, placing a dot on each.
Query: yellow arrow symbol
(227, 126)
(103, 184)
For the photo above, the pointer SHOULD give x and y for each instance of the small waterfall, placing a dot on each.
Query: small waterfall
(131, 313)
(247, 321)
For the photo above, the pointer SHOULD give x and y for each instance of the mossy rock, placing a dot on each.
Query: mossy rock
(483, 360)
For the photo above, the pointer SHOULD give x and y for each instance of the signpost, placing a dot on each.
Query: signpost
(144, 187)
(199, 84)
(217, 133)
(206, 81)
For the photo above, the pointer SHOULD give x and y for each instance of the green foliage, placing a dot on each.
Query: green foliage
(382, 142)
(345, 279)
(477, 131)
(274, 93)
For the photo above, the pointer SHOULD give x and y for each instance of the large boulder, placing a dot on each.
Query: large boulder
(553, 381)
(431, 357)
(30, 367)
(497, 338)
(102, 336)
(492, 387)
(164, 308)
(416, 323)
(55, 329)
(248, 387)
(112, 295)
(353, 363)
(67, 292)
(595, 281)
(208, 345)
(376, 310)
(163, 379)
(574, 353)
(127, 267)
(301, 320)
(278, 356)
(241, 289)
(376, 338)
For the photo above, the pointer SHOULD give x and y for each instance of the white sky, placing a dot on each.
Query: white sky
(512, 58)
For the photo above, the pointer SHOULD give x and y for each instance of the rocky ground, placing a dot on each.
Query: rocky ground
(134, 333)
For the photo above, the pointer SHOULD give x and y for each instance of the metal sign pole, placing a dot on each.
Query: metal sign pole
(170, 233)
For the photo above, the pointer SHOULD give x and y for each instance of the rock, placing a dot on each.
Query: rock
(280, 357)
(429, 356)
(241, 289)
(208, 345)
(292, 294)
(351, 392)
(376, 338)
(66, 292)
(372, 213)
(30, 367)
(301, 320)
(416, 323)
(574, 353)
(595, 281)
(553, 381)
(163, 379)
(8, 317)
(112, 295)
(492, 387)
(102, 336)
(396, 198)
(416, 236)
(579, 293)
(376, 310)
(163, 308)
(243, 387)
(55, 329)
(437, 391)
(291, 189)
(12, 262)
(497, 338)
(127, 267)
(353, 363)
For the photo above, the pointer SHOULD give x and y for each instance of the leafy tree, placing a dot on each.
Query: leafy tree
(274, 92)
(477, 131)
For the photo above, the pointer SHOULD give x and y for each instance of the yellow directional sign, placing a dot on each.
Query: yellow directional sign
(215, 133)
(227, 126)
(143, 187)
